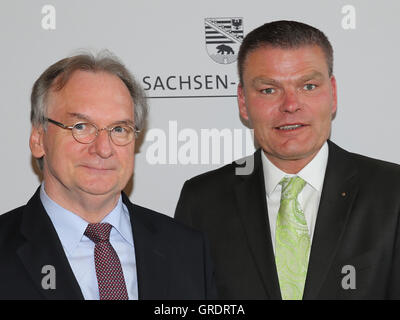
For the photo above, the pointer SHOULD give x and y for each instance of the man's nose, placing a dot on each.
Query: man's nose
(291, 102)
(102, 145)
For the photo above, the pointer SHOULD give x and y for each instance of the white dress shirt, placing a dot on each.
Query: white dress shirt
(79, 249)
(313, 174)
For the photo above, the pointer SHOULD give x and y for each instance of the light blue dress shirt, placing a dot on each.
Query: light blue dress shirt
(79, 249)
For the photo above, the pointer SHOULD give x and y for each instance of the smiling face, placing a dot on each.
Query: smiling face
(74, 170)
(289, 98)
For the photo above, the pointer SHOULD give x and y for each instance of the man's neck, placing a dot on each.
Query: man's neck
(290, 166)
(92, 208)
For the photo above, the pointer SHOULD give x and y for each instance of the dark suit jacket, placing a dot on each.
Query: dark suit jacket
(357, 225)
(172, 260)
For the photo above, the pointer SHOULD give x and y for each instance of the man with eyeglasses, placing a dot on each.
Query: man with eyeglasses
(79, 236)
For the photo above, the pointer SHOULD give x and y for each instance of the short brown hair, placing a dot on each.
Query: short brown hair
(286, 35)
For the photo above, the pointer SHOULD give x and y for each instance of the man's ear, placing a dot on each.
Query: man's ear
(334, 94)
(36, 142)
(242, 102)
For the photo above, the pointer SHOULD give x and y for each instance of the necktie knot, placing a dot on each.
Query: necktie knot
(98, 232)
(291, 187)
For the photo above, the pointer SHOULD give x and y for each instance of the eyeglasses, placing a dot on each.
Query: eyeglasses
(85, 132)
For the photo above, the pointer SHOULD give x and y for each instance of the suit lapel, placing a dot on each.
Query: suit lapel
(152, 267)
(252, 208)
(338, 193)
(43, 247)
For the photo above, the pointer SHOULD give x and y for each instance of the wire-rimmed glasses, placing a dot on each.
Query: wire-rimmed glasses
(120, 134)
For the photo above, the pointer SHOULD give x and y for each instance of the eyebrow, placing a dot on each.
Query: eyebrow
(264, 80)
(307, 77)
(84, 117)
(311, 76)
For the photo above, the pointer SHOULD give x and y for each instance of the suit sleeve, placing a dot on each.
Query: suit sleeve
(394, 284)
(183, 213)
(211, 288)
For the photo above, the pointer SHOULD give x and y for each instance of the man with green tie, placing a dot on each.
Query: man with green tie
(309, 220)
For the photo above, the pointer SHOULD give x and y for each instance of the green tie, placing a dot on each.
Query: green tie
(292, 244)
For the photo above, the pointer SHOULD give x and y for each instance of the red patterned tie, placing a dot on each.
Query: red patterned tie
(110, 277)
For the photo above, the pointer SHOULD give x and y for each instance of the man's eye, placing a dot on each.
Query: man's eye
(268, 90)
(309, 87)
(80, 126)
(119, 130)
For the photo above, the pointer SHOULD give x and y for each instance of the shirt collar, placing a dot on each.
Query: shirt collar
(313, 173)
(119, 219)
(70, 227)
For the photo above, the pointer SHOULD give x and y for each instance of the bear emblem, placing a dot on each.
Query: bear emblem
(224, 49)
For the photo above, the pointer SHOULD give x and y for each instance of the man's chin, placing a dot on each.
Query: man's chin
(294, 154)
(100, 190)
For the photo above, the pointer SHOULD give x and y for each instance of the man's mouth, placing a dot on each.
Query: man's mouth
(290, 127)
(96, 168)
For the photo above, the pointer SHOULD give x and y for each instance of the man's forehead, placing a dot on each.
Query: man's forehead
(85, 77)
(88, 94)
(308, 61)
(285, 48)
(78, 82)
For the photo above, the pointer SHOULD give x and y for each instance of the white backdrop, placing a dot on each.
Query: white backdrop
(163, 44)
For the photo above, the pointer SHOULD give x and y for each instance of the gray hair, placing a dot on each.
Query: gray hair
(57, 75)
